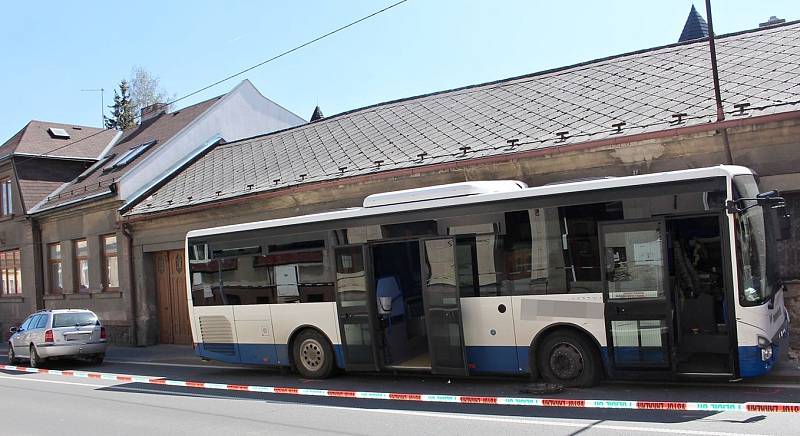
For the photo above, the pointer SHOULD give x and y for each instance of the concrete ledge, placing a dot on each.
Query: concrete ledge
(77, 296)
(53, 297)
(107, 294)
(12, 299)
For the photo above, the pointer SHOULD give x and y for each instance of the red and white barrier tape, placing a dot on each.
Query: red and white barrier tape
(433, 398)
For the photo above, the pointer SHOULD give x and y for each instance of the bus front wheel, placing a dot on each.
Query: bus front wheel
(569, 359)
(313, 354)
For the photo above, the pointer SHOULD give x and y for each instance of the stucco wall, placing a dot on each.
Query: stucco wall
(16, 233)
(91, 222)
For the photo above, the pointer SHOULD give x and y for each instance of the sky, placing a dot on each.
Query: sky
(51, 51)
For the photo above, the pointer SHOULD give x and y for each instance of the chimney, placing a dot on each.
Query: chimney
(152, 111)
(773, 20)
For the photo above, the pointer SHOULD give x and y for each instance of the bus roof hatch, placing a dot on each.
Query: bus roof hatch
(443, 191)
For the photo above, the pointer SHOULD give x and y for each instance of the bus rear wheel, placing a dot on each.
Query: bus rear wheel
(569, 359)
(313, 354)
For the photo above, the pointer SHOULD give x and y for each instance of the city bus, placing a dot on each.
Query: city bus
(662, 275)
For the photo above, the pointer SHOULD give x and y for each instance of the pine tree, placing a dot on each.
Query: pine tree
(123, 116)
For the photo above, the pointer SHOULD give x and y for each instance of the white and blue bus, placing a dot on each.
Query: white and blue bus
(665, 275)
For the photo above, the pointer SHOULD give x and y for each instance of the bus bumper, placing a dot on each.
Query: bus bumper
(751, 362)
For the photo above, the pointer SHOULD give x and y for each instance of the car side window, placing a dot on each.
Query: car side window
(41, 322)
(34, 322)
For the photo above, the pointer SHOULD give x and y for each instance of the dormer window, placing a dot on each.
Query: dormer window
(128, 156)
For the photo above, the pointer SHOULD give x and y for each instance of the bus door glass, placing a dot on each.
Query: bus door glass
(442, 306)
(638, 309)
(356, 305)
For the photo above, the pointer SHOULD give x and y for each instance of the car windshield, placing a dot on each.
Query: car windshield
(751, 241)
(74, 319)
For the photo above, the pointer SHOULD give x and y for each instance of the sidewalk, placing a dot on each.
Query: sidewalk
(786, 371)
(163, 353)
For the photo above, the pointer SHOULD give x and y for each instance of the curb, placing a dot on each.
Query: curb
(761, 407)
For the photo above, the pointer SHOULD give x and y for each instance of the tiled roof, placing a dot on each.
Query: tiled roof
(35, 139)
(159, 128)
(695, 27)
(643, 90)
(33, 191)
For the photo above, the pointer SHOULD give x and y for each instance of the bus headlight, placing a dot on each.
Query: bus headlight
(766, 348)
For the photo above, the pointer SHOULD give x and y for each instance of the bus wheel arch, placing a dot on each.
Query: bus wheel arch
(566, 341)
(312, 340)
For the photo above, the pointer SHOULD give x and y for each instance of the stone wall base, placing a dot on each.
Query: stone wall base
(792, 300)
(119, 334)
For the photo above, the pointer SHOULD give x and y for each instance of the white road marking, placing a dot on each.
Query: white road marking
(57, 382)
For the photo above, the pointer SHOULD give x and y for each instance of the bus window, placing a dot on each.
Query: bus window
(410, 229)
(466, 258)
(241, 272)
(555, 250)
(357, 235)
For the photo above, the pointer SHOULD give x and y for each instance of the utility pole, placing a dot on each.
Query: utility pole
(102, 104)
(715, 75)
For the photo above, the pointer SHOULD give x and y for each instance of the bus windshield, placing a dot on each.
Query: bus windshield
(751, 240)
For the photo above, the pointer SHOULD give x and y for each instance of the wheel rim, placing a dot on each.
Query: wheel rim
(566, 361)
(312, 356)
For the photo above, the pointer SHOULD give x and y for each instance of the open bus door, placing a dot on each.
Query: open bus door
(638, 307)
(355, 303)
(441, 298)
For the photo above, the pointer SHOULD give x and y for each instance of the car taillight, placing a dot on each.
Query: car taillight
(48, 336)
(103, 333)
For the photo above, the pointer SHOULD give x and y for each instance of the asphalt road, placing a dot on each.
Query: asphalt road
(40, 404)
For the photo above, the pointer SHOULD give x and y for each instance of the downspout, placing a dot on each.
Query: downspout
(134, 310)
(38, 262)
(717, 93)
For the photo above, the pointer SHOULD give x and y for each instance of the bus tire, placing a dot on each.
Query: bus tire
(313, 354)
(569, 359)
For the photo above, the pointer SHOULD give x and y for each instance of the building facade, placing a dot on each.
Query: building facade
(38, 159)
(82, 248)
(112, 238)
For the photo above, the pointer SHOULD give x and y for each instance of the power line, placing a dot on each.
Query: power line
(289, 51)
(278, 56)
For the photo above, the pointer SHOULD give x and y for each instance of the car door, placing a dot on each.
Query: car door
(19, 340)
(32, 333)
(39, 329)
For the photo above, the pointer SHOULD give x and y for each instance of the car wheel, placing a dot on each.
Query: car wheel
(12, 357)
(98, 359)
(36, 361)
(568, 359)
(313, 355)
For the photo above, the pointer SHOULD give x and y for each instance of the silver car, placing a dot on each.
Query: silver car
(58, 333)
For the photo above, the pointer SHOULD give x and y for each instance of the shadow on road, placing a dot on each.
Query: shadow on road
(508, 387)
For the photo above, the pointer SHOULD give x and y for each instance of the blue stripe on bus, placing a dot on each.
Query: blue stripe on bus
(483, 359)
(750, 363)
(255, 354)
(496, 359)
